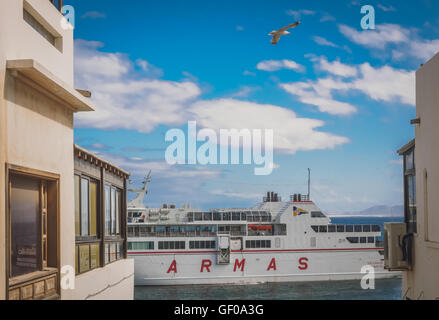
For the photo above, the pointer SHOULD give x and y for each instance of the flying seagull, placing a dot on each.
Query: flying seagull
(282, 32)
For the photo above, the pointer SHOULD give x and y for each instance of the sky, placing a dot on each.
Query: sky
(339, 98)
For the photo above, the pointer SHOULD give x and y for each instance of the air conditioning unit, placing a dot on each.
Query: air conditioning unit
(397, 247)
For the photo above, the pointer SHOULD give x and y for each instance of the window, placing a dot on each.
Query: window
(226, 216)
(26, 255)
(317, 214)
(349, 228)
(323, 229)
(340, 228)
(410, 217)
(88, 245)
(331, 228)
(113, 210)
(32, 245)
(352, 239)
(94, 246)
(171, 245)
(210, 244)
(363, 240)
(57, 3)
(315, 228)
(370, 239)
(207, 216)
(39, 25)
(198, 216)
(366, 228)
(358, 228)
(217, 216)
(257, 244)
(144, 245)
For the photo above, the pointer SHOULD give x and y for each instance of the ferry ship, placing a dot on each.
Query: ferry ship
(274, 241)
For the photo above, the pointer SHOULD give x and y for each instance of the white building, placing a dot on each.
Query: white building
(420, 234)
(38, 218)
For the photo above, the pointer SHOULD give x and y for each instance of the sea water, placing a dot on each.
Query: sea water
(385, 289)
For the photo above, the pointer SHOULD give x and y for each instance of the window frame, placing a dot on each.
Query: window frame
(45, 271)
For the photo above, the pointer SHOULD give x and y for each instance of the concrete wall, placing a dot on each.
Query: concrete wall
(423, 281)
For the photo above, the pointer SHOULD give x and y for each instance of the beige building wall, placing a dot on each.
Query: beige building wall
(423, 281)
(36, 132)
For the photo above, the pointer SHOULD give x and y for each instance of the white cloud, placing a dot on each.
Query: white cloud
(386, 84)
(231, 194)
(327, 17)
(403, 42)
(297, 14)
(323, 42)
(125, 100)
(336, 67)
(380, 84)
(386, 9)
(275, 65)
(94, 15)
(239, 28)
(291, 133)
(319, 94)
(244, 91)
(378, 38)
(248, 73)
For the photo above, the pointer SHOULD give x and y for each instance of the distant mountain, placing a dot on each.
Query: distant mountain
(383, 210)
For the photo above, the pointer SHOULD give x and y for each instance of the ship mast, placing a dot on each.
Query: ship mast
(309, 183)
(141, 193)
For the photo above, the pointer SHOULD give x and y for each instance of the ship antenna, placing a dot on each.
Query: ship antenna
(309, 182)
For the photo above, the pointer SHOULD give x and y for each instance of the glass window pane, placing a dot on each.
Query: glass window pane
(94, 256)
(118, 210)
(77, 207)
(113, 211)
(84, 258)
(25, 225)
(84, 207)
(107, 253)
(93, 208)
(113, 252)
(107, 210)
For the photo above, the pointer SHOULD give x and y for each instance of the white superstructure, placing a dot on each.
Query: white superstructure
(271, 242)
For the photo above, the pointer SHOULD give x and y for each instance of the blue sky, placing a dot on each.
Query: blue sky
(338, 97)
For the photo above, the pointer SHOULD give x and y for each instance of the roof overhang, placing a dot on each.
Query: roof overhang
(407, 147)
(88, 156)
(34, 74)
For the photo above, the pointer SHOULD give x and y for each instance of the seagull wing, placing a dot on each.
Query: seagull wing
(293, 25)
(275, 39)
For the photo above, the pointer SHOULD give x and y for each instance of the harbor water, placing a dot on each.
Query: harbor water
(385, 289)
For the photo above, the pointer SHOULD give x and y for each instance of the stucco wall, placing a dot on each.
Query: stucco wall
(113, 282)
(423, 281)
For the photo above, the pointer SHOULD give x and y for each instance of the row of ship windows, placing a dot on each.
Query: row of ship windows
(347, 228)
(253, 216)
(258, 244)
(173, 245)
(181, 245)
(361, 239)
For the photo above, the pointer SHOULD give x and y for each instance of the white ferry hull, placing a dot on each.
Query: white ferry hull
(259, 266)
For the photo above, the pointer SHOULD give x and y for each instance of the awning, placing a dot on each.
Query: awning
(34, 74)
